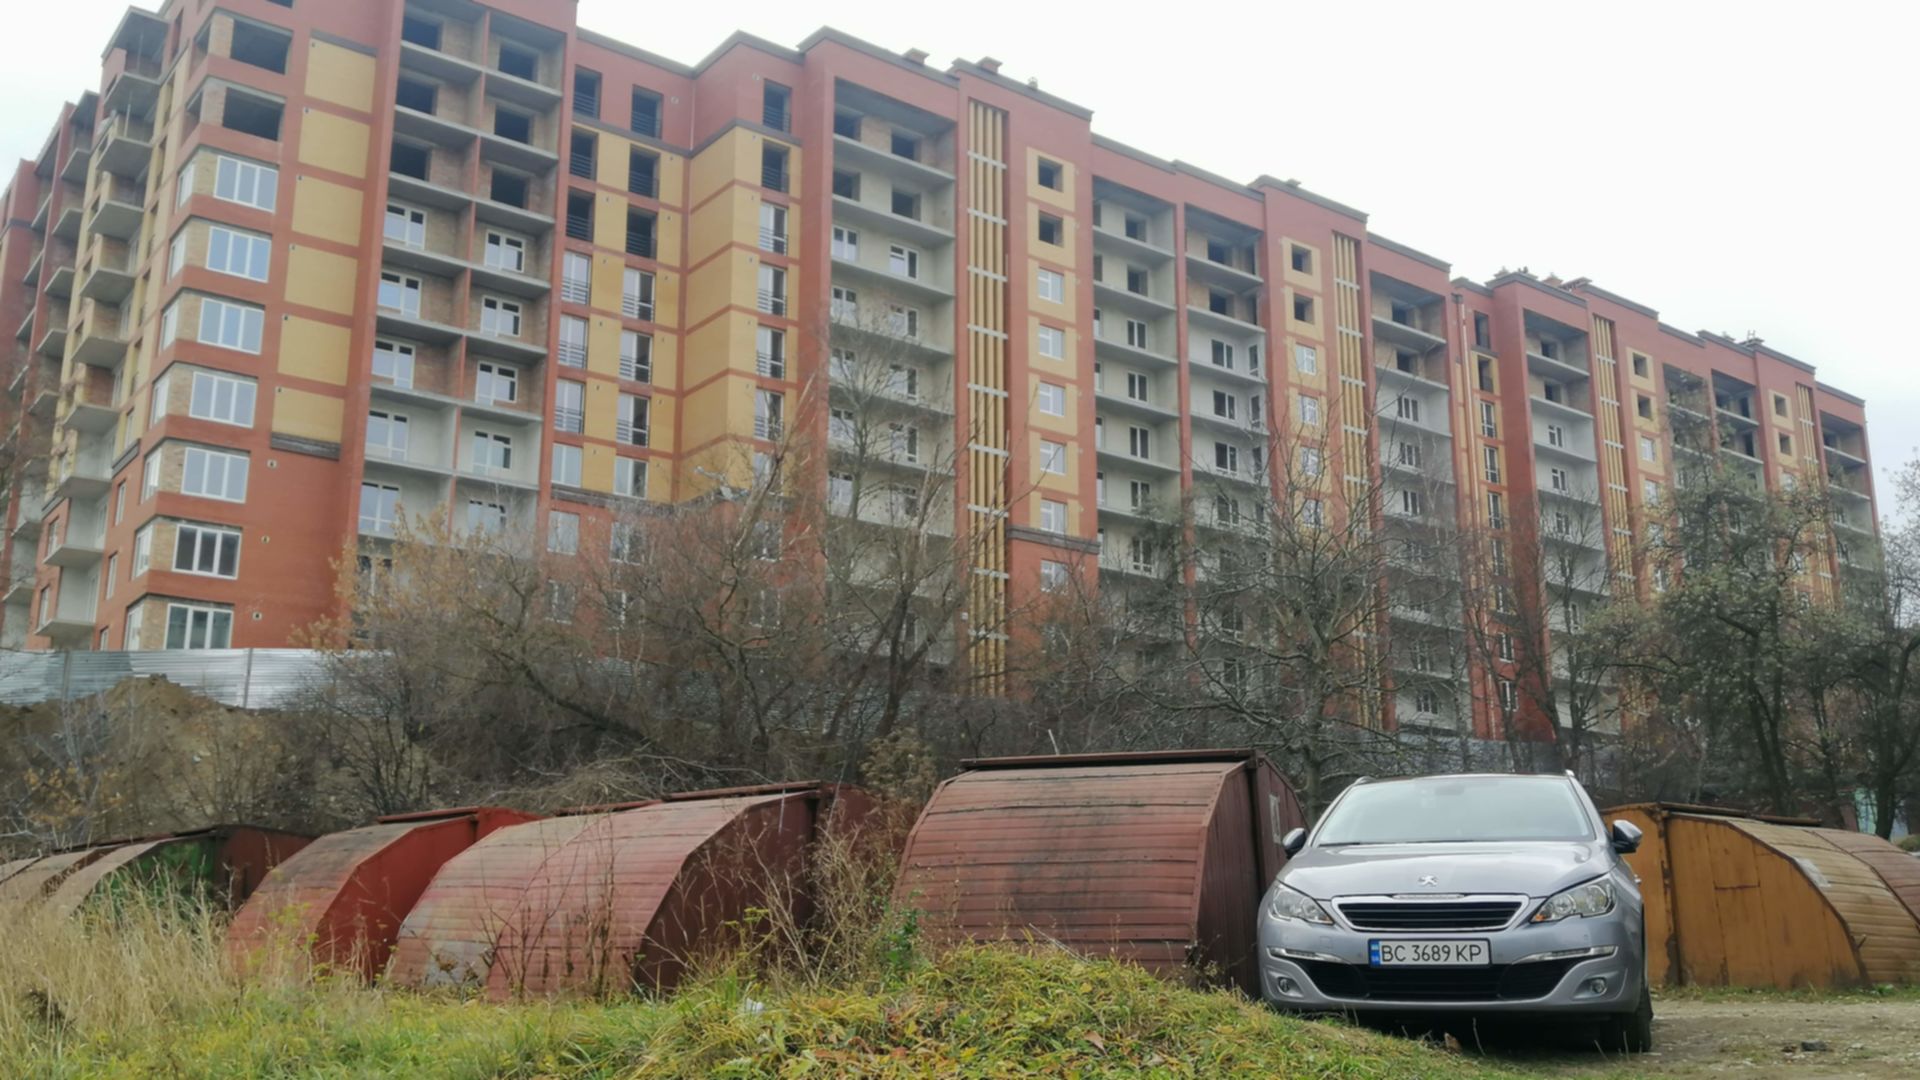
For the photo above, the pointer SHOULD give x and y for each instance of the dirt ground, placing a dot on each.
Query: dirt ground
(1737, 1037)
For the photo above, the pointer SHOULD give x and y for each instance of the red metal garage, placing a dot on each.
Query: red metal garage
(1160, 858)
(347, 893)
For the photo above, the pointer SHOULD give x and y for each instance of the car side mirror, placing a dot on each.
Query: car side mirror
(1626, 837)
(1293, 842)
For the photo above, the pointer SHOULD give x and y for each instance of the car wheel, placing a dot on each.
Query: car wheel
(1631, 1032)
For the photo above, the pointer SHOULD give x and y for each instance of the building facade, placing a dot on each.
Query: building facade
(291, 268)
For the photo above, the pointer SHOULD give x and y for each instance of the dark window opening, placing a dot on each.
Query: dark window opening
(1052, 176)
(643, 173)
(508, 188)
(251, 116)
(846, 123)
(640, 231)
(409, 160)
(1052, 230)
(846, 184)
(1404, 314)
(1219, 303)
(1644, 406)
(1303, 309)
(1407, 362)
(776, 107)
(773, 167)
(580, 154)
(1300, 259)
(415, 94)
(1554, 392)
(586, 93)
(1549, 348)
(1218, 252)
(1482, 330)
(1135, 227)
(906, 146)
(906, 204)
(579, 215)
(512, 125)
(259, 46)
(1136, 280)
(520, 63)
(1640, 365)
(646, 113)
(419, 31)
(1486, 374)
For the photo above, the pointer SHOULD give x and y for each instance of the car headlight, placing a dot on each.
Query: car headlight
(1593, 898)
(1294, 904)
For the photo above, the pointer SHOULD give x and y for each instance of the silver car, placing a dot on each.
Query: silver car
(1472, 893)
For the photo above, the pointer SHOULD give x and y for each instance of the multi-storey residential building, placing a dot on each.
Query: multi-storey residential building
(294, 267)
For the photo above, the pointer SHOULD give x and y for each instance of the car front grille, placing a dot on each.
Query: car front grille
(1500, 982)
(1445, 916)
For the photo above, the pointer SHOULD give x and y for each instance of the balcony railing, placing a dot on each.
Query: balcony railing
(635, 308)
(569, 420)
(773, 179)
(580, 164)
(640, 243)
(771, 366)
(773, 303)
(643, 183)
(777, 117)
(579, 227)
(636, 370)
(572, 353)
(575, 290)
(775, 242)
(626, 431)
(766, 427)
(647, 124)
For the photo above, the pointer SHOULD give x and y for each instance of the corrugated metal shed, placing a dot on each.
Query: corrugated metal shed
(611, 899)
(39, 877)
(1733, 900)
(346, 894)
(224, 863)
(1899, 869)
(1158, 858)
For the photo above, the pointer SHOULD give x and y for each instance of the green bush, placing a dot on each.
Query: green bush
(1910, 842)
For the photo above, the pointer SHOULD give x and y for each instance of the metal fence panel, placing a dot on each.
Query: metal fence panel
(247, 678)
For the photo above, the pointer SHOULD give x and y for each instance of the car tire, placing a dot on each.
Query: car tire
(1631, 1032)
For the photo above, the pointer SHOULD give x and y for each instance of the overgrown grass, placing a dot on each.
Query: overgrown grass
(149, 993)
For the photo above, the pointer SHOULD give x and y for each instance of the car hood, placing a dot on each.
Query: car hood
(1536, 869)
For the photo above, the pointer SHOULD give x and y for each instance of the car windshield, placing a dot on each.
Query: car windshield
(1452, 809)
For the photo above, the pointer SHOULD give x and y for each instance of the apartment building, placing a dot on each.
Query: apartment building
(291, 269)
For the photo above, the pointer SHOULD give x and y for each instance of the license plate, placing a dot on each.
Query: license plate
(1404, 953)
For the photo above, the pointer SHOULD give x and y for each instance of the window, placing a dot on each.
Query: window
(405, 225)
(222, 398)
(1649, 492)
(566, 464)
(643, 175)
(393, 361)
(906, 204)
(576, 277)
(903, 443)
(586, 93)
(195, 626)
(1648, 452)
(625, 543)
(498, 317)
(572, 350)
(1140, 555)
(579, 214)
(1137, 334)
(1554, 392)
(1509, 697)
(903, 321)
(1052, 286)
(230, 325)
(903, 381)
(1556, 435)
(773, 290)
(486, 518)
(1053, 457)
(768, 410)
(207, 550)
(1309, 410)
(846, 184)
(408, 159)
(1312, 512)
(846, 124)
(1489, 420)
(215, 475)
(1053, 575)
(119, 501)
(1222, 355)
(1426, 702)
(1139, 387)
(1641, 365)
(776, 106)
(492, 452)
(416, 94)
(387, 434)
(1053, 343)
(1306, 360)
(569, 406)
(506, 252)
(903, 261)
(840, 490)
(1300, 259)
(1226, 458)
(1413, 503)
(1052, 230)
(1053, 516)
(1051, 399)
(1562, 523)
(400, 292)
(1223, 404)
(245, 182)
(845, 303)
(1407, 408)
(630, 477)
(636, 294)
(1050, 175)
(773, 228)
(905, 145)
(496, 384)
(845, 243)
(1137, 281)
(1408, 454)
(1310, 464)
(1490, 461)
(630, 423)
(1496, 510)
(1779, 405)
(1140, 495)
(238, 253)
(379, 508)
(645, 117)
(1557, 479)
(150, 476)
(177, 255)
(770, 352)
(640, 232)
(563, 533)
(250, 115)
(842, 425)
(512, 125)
(1785, 442)
(1303, 309)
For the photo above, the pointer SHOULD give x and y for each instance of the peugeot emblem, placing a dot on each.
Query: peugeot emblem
(1429, 881)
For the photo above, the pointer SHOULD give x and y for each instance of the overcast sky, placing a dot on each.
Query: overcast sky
(1737, 166)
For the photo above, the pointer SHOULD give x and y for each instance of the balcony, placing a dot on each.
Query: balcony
(1405, 334)
(67, 225)
(116, 212)
(1576, 445)
(1111, 240)
(1389, 375)
(1206, 317)
(1205, 271)
(1249, 428)
(75, 170)
(110, 274)
(1559, 408)
(74, 554)
(925, 288)
(1125, 459)
(100, 339)
(125, 146)
(135, 89)
(1111, 403)
(873, 159)
(1554, 368)
(92, 412)
(68, 623)
(60, 280)
(895, 225)
(86, 478)
(1111, 298)
(1120, 350)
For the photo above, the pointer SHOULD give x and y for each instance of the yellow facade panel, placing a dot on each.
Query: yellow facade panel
(307, 415)
(327, 210)
(673, 179)
(1061, 198)
(322, 279)
(602, 398)
(610, 221)
(315, 350)
(596, 468)
(715, 347)
(339, 75)
(608, 273)
(603, 346)
(334, 142)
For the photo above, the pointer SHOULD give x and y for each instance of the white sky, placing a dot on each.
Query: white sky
(1737, 166)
